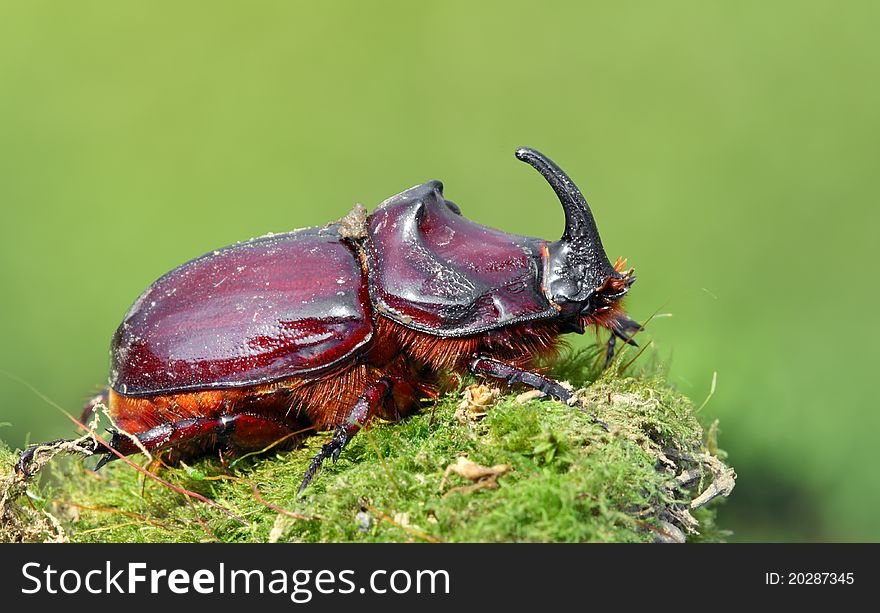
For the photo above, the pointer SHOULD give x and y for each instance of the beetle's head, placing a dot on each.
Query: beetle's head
(578, 278)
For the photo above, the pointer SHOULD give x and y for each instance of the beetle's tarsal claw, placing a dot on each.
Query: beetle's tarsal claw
(600, 423)
(310, 472)
(105, 458)
(574, 401)
(328, 450)
(22, 467)
(26, 459)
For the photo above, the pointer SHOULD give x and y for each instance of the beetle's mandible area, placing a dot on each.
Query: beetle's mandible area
(480, 466)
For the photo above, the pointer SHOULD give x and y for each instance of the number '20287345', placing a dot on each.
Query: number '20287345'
(816, 578)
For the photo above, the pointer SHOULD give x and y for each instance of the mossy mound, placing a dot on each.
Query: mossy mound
(534, 471)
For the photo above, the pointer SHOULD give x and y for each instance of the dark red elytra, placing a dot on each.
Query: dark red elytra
(328, 327)
(251, 313)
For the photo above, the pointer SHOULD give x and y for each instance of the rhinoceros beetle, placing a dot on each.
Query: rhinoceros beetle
(327, 327)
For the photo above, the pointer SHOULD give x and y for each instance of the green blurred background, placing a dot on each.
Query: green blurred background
(729, 149)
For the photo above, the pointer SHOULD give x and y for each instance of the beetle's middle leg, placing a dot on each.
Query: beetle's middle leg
(490, 367)
(374, 397)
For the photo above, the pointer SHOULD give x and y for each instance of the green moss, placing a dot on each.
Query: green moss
(568, 480)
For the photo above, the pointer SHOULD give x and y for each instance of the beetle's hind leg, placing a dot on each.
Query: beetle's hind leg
(189, 438)
(25, 464)
(29, 463)
(490, 367)
(186, 438)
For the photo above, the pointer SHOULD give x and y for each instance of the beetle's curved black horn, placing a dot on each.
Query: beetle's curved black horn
(579, 222)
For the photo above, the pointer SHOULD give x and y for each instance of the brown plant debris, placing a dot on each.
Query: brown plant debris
(354, 224)
(484, 477)
(477, 400)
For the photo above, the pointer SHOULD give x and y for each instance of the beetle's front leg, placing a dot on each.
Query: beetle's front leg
(490, 367)
(373, 397)
(609, 350)
(622, 328)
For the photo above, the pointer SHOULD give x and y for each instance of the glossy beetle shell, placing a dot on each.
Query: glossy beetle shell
(250, 313)
(302, 302)
(438, 272)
